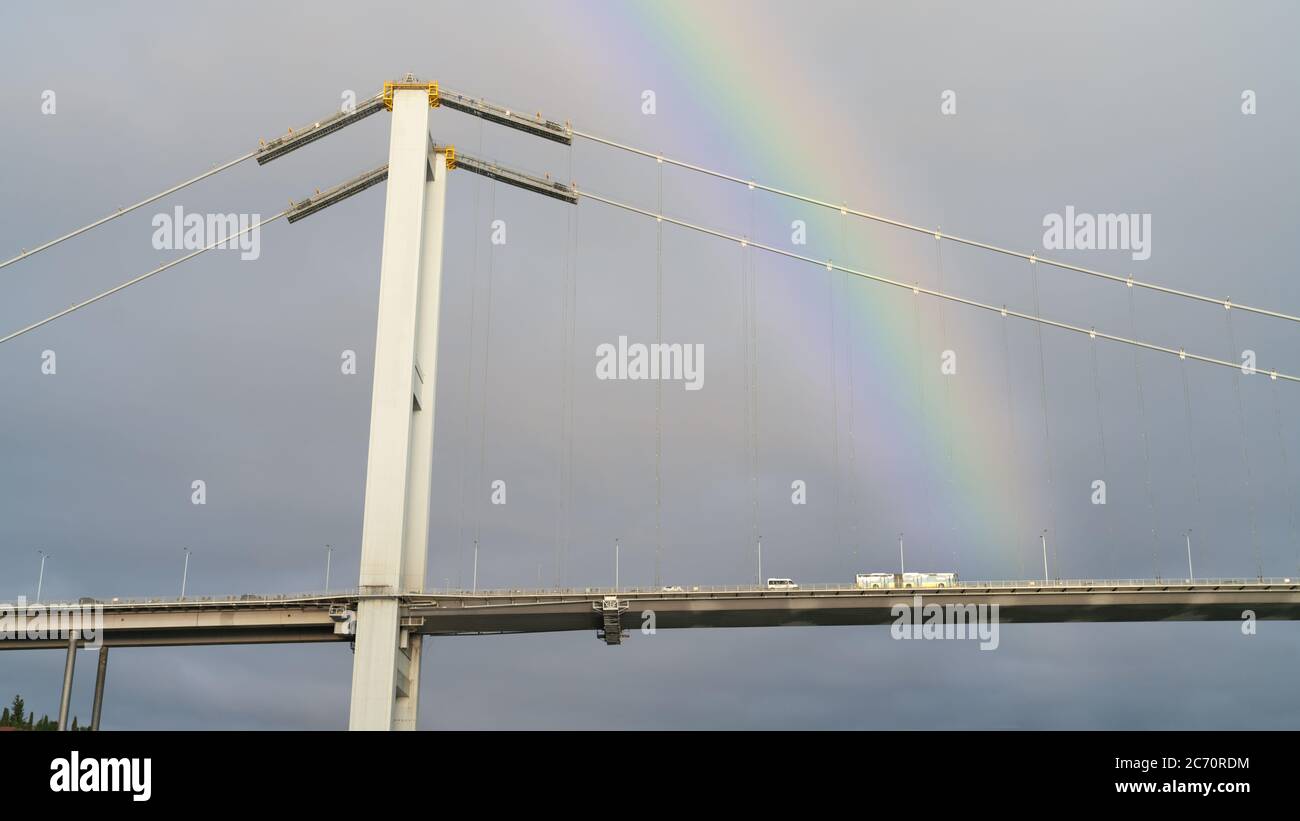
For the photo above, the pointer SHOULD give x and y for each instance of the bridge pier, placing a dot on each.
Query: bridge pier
(395, 528)
(101, 674)
(66, 699)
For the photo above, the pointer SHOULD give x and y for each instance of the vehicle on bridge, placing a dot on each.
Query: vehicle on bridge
(874, 581)
(781, 584)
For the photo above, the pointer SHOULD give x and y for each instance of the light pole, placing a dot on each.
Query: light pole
(760, 562)
(329, 554)
(1191, 577)
(616, 565)
(1043, 538)
(185, 574)
(476, 565)
(902, 565)
(40, 579)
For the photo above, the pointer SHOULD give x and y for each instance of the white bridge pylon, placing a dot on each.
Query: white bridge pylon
(395, 528)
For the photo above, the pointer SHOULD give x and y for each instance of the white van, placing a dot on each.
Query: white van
(781, 584)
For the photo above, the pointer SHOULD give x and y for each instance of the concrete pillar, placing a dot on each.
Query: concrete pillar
(395, 528)
(66, 699)
(100, 676)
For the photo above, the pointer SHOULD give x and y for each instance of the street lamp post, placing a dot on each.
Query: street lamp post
(40, 579)
(1043, 538)
(329, 554)
(1191, 577)
(185, 574)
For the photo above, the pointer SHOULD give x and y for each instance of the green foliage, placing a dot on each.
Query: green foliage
(16, 716)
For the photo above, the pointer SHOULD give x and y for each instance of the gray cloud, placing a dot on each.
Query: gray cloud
(227, 371)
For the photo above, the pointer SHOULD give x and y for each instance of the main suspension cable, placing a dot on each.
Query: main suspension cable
(810, 200)
(917, 288)
(123, 286)
(124, 211)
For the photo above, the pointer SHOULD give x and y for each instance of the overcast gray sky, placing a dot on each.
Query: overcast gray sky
(228, 371)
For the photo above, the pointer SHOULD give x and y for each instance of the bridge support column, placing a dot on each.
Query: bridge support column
(101, 675)
(66, 700)
(395, 529)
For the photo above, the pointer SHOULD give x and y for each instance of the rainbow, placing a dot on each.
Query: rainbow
(987, 493)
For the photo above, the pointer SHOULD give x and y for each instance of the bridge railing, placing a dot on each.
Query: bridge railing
(684, 590)
(1003, 584)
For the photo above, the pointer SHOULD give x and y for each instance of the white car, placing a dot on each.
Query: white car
(781, 584)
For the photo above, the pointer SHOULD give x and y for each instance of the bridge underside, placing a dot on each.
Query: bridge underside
(469, 616)
(316, 618)
(198, 623)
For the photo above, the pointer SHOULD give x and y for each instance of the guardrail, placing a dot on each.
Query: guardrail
(677, 590)
(1004, 584)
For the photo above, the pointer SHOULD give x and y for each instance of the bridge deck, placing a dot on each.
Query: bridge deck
(307, 618)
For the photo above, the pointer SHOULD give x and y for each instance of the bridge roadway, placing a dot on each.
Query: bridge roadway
(258, 619)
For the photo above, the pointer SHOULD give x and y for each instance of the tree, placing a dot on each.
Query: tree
(4, 718)
(16, 714)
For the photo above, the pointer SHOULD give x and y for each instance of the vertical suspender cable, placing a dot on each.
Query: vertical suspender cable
(831, 278)
(1047, 430)
(572, 345)
(1245, 447)
(855, 528)
(469, 370)
(659, 390)
(744, 335)
(1191, 448)
(753, 386)
(1101, 442)
(1286, 475)
(947, 402)
(1146, 448)
(744, 338)
(921, 414)
(1016, 527)
(561, 505)
(487, 364)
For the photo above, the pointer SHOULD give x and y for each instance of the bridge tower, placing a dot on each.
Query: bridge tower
(395, 528)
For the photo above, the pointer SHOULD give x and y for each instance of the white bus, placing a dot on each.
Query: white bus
(781, 584)
(866, 581)
(929, 579)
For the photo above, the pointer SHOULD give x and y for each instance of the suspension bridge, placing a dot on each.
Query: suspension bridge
(388, 614)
